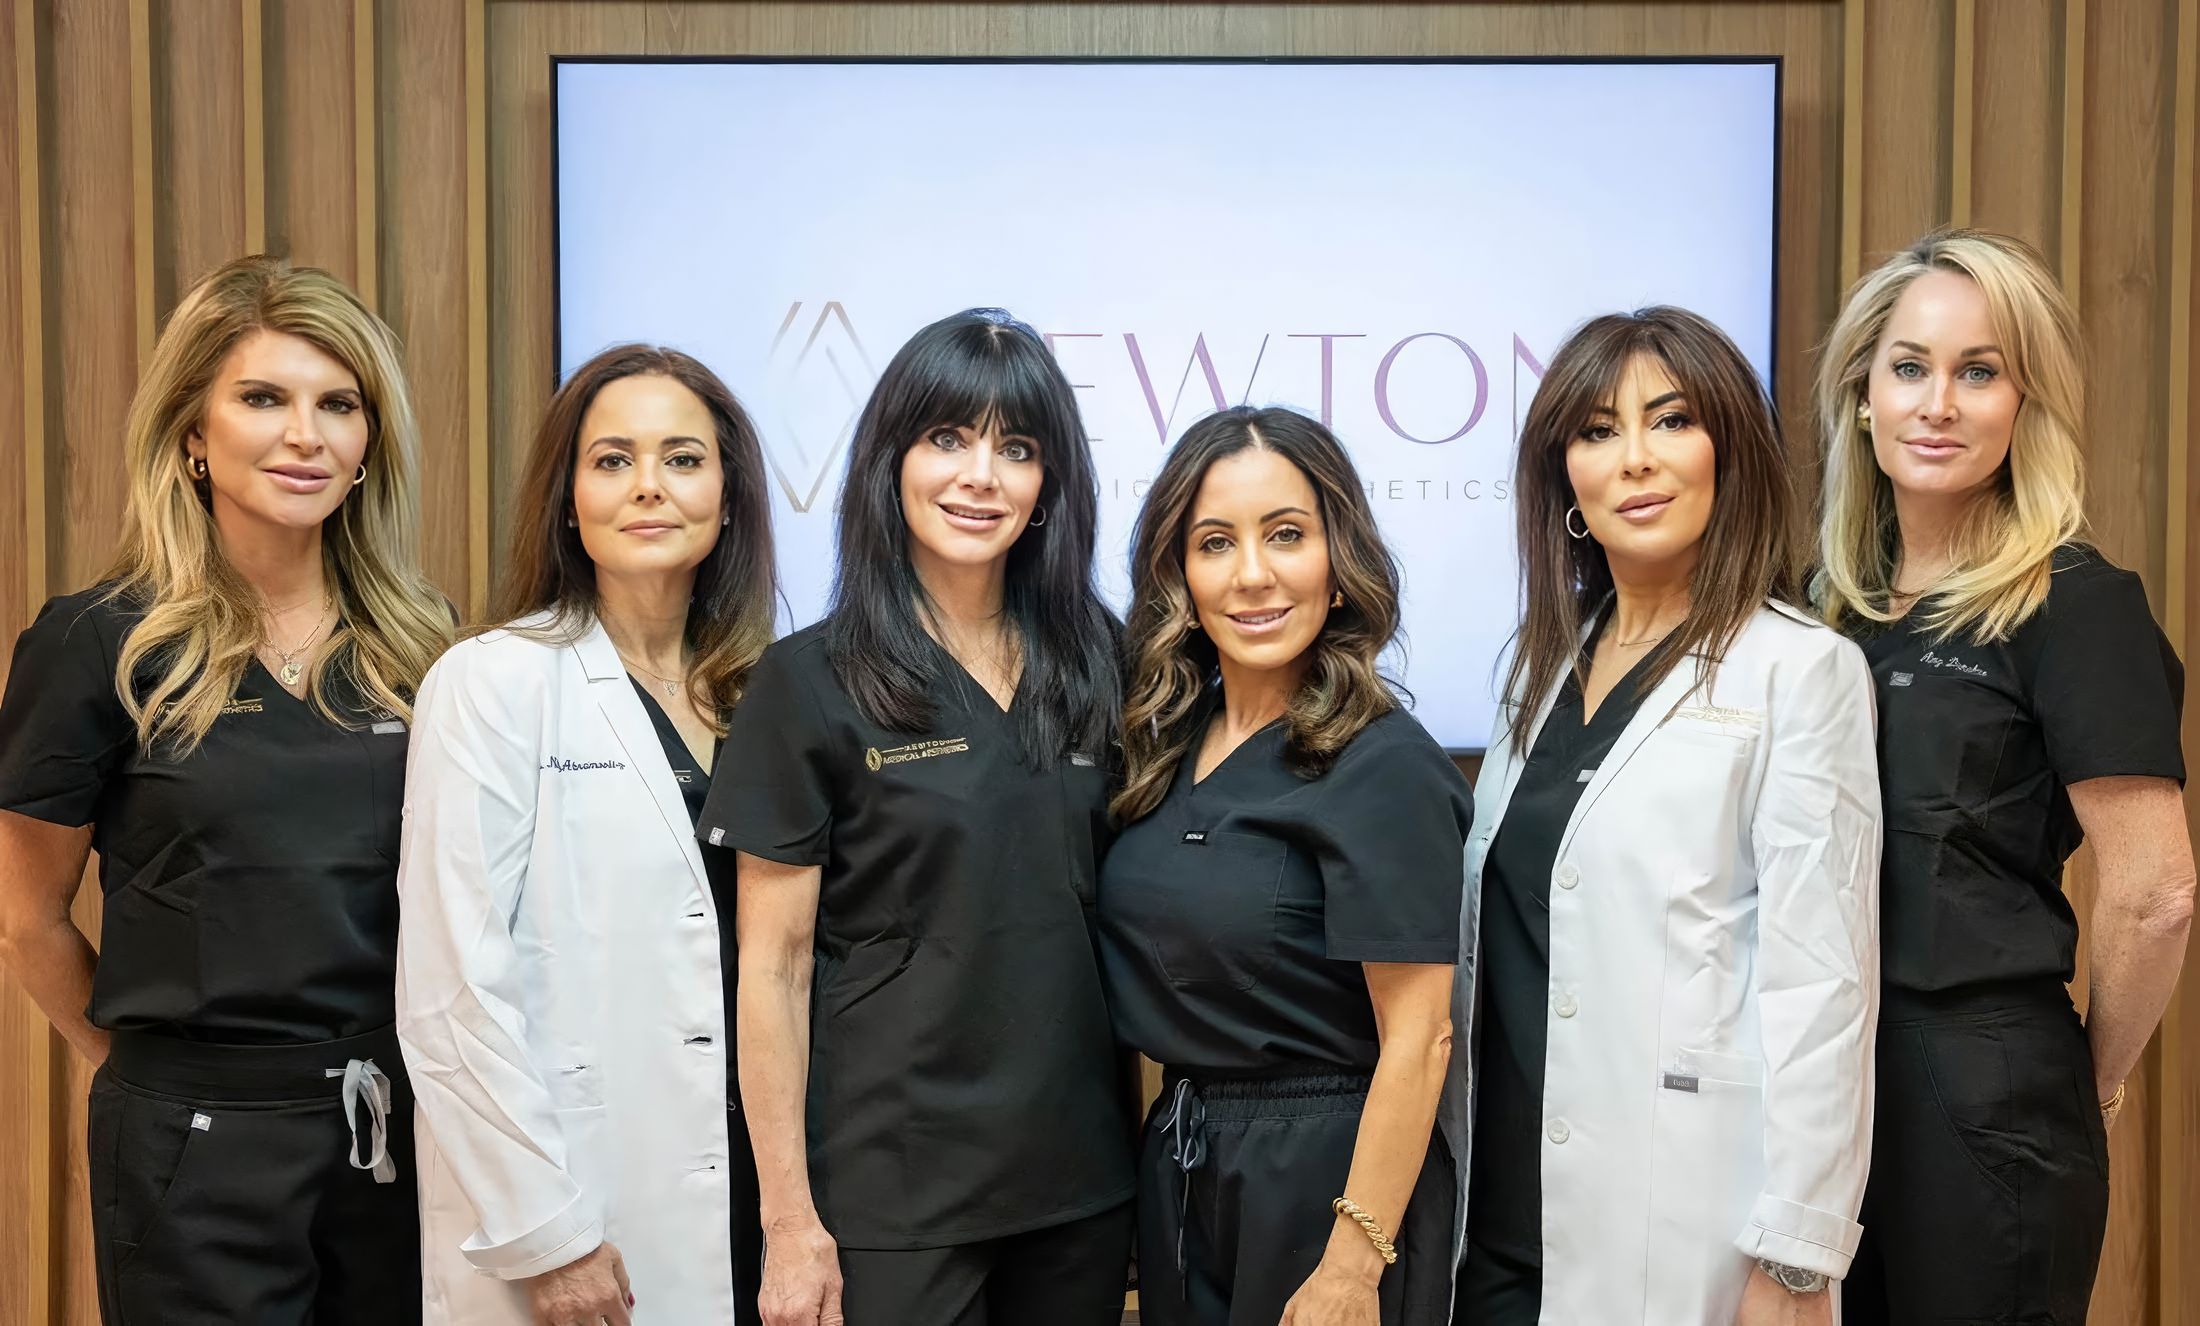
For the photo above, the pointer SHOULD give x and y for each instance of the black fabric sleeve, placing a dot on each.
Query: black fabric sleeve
(1390, 836)
(770, 792)
(2107, 689)
(63, 730)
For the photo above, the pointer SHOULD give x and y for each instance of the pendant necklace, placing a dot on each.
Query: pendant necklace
(291, 668)
(672, 687)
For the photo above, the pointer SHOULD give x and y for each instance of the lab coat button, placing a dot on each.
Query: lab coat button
(1565, 1006)
(1558, 1131)
(1567, 877)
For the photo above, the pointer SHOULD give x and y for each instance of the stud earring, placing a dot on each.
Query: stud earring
(1864, 416)
(195, 466)
(1336, 600)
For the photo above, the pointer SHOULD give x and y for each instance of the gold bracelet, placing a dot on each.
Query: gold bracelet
(2115, 1102)
(1345, 1206)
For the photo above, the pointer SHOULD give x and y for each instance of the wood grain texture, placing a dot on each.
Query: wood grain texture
(1908, 64)
(2017, 124)
(198, 143)
(422, 256)
(312, 169)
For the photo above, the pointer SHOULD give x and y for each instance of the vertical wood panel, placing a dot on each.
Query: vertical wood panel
(2017, 121)
(312, 164)
(198, 142)
(27, 1133)
(480, 508)
(252, 86)
(1908, 59)
(366, 200)
(1962, 106)
(423, 258)
(141, 176)
(2178, 1132)
(2069, 232)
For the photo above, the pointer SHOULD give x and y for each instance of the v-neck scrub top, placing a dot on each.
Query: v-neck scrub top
(963, 1084)
(1235, 915)
(1507, 1171)
(1978, 745)
(250, 886)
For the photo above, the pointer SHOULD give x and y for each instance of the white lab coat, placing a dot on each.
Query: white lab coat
(558, 993)
(1714, 984)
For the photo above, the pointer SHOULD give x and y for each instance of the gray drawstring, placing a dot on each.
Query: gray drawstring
(1188, 1148)
(362, 1080)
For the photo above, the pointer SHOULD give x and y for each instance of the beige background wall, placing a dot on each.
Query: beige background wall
(405, 144)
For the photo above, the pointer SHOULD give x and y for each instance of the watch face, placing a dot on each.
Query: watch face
(1794, 1278)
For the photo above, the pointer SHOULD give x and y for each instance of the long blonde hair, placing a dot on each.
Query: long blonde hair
(181, 662)
(2004, 546)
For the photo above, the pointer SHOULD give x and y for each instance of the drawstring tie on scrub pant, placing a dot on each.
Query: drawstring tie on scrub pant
(364, 1081)
(1188, 1148)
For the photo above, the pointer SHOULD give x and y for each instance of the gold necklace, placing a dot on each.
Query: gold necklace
(291, 669)
(672, 687)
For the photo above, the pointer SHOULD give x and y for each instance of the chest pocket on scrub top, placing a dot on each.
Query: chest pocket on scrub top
(1225, 931)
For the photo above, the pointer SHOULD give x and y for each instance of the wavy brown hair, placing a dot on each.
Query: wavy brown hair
(549, 571)
(1751, 547)
(1170, 666)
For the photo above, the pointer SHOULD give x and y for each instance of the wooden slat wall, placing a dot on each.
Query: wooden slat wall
(404, 144)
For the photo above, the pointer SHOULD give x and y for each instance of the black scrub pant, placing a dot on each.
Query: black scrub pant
(223, 1191)
(1498, 1289)
(1988, 1195)
(1071, 1274)
(1235, 1180)
(748, 1235)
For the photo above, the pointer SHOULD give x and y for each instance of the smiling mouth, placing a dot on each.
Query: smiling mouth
(970, 517)
(1263, 620)
(1644, 508)
(648, 527)
(299, 478)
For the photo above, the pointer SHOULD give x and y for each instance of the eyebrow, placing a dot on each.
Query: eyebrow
(614, 440)
(274, 386)
(1667, 399)
(1971, 353)
(1279, 511)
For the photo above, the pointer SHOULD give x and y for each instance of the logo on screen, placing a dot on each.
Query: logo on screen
(820, 374)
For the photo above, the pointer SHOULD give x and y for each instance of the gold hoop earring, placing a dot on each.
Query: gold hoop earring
(195, 466)
(361, 476)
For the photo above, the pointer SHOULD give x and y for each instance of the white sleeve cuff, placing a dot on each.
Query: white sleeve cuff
(1803, 1236)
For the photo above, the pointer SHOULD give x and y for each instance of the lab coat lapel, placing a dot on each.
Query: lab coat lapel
(1660, 702)
(613, 691)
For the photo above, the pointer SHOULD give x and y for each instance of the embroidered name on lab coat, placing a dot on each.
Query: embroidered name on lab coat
(875, 759)
(1747, 720)
(557, 765)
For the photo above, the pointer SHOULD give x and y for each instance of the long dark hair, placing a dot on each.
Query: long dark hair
(976, 368)
(730, 617)
(1751, 547)
(1171, 665)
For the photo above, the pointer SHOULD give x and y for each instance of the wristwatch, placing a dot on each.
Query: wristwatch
(1793, 1279)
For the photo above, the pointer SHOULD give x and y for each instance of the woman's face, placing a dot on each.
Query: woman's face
(1943, 406)
(968, 493)
(283, 434)
(1644, 474)
(1256, 560)
(648, 487)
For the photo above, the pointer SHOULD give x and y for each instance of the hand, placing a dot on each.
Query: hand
(588, 1292)
(801, 1276)
(1766, 1302)
(1334, 1297)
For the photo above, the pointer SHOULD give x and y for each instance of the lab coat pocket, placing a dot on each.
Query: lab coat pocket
(1706, 1161)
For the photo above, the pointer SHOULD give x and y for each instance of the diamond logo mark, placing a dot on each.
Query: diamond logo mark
(819, 379)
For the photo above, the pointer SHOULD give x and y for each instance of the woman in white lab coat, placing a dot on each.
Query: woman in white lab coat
(1670, 933)
(562, 989)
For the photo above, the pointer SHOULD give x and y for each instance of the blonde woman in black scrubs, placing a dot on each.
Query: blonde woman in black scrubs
(1280, 914)
(223, 719)
(2027, 702)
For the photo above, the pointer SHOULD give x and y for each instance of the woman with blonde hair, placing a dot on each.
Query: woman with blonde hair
(2027, 700)
(224, 720)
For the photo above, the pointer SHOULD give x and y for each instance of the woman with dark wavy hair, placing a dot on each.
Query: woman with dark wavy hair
(916, 788)
(1280, 914)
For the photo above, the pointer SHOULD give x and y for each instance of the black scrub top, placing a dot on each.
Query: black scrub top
(1977, 746)
(1235, 915)
(250, 886)
(963, 1084)
(694, 783)
(1514, 970)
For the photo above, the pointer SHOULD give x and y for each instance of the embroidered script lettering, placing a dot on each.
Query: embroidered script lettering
(1952, 664)
(557, 765)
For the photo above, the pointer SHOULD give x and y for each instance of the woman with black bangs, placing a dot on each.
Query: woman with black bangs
(916, 788)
